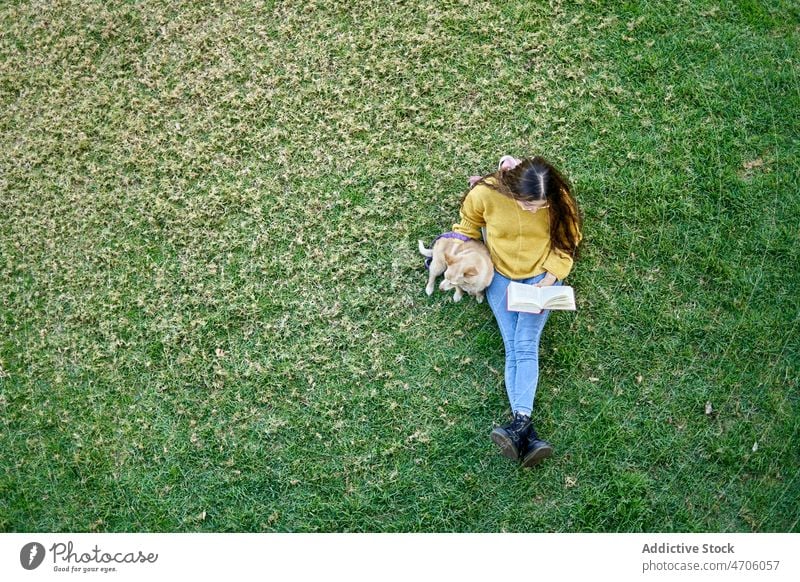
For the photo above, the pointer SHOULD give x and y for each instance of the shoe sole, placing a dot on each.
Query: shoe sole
(535, 457)
(502, 440)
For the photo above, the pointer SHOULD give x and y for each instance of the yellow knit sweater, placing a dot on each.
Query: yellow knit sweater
(518, 240)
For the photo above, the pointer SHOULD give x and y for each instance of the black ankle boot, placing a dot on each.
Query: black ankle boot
(511, 437)
(534, 450)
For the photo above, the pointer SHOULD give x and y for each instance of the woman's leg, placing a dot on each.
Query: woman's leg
(526, 345)
(521, 334)
(507, 322)
(528, 333)
(509, 437)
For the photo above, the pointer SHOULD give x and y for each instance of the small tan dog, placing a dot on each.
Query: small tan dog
(466, 265)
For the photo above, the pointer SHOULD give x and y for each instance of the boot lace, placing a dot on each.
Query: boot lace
(520, 423)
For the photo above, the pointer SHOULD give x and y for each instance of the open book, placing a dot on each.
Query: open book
(530, 299)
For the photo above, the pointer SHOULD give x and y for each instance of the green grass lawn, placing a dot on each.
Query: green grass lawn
(212, 308)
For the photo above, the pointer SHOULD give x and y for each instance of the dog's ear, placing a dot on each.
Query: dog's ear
(470, 272)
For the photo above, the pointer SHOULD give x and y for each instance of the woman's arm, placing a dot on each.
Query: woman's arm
(472, 215)
(558, 264)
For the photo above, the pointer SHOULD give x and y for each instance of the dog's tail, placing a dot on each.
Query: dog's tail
(423, 251)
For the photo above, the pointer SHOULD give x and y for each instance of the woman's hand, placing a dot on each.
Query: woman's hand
(548, 280)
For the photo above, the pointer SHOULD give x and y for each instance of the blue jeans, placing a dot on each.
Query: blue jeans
(521, 333)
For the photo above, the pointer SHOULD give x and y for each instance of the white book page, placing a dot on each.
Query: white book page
(563, 297)
(529, 299)
(523, 298)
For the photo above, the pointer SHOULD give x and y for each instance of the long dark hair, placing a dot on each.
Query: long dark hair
(535, 179)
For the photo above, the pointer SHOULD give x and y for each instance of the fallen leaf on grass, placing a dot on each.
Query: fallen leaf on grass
(570, 482)
(709, 408)
(757, 163)
(751, 167)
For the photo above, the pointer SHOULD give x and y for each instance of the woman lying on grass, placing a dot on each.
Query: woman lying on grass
(533, 228)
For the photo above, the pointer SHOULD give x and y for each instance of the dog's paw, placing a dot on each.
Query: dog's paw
(429, 290)
(479, 298)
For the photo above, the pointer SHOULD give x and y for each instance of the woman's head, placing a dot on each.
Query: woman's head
(537, 185)
(531, 179)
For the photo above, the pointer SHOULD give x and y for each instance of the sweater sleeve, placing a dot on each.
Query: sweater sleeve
(558, 263)
(472, 216)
